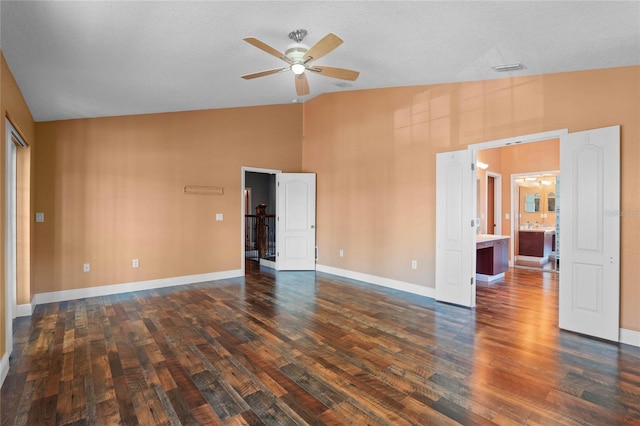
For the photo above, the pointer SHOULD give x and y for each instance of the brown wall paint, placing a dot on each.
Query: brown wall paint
(112, 190)
(12, 104)
(374, 155)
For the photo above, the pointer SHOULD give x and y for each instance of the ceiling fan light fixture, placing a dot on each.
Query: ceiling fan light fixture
(297, 69)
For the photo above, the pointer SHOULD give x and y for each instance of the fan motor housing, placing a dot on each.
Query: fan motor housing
(296, 52)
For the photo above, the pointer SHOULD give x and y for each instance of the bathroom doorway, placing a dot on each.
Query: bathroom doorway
(535, 209)
(536, 161)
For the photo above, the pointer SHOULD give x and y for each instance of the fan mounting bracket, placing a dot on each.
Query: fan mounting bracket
(298, 35)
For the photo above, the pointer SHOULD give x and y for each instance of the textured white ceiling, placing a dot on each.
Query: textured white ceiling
(91, 58)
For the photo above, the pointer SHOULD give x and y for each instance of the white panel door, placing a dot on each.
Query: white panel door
(455, 229)
(590, 225)
(296, 221)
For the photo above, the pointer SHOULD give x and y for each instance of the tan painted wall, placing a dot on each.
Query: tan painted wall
(13, 105)
(112, 190)
(374, 153)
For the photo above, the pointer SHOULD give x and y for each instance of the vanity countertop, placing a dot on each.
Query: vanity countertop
(545, 230)
(480, 238)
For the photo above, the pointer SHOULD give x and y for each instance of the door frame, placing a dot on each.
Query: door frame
(474, 148)
(11, 230)
(515, 208)
(497, 201)
(244, 169)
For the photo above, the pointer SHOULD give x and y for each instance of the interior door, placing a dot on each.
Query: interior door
(590, 224)
(296, 221)
(455, 230)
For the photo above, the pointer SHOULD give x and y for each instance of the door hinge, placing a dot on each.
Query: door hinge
(277, 254)
(471, 280)
(473, 166)
(473, 223)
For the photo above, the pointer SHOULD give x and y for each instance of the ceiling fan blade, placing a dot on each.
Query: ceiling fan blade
(263, 73)
(302, 85)
(265, 47)
(341, 73)
(321, 48)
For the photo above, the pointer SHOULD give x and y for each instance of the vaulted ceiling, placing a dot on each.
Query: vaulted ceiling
(93, 58)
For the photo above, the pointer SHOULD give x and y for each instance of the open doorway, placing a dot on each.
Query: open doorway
(590, 249)
(536, 224)
(259, 216)
(530, 170)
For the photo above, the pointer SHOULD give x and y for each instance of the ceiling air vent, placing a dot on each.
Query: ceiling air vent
(509, 67)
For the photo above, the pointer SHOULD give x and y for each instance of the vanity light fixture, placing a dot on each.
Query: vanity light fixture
(531, 178)
(545, 182)
(482, 165)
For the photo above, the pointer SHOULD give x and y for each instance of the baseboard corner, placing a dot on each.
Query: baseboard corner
(4, 367)
(24, 310)
(630, 337)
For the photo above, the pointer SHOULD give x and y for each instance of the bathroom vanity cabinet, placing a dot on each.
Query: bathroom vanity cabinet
(536, 242)
(492, 257)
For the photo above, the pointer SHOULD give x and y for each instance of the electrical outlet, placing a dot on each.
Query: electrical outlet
(414, 264)
(135, 263)
(86, 267)
(341, 253)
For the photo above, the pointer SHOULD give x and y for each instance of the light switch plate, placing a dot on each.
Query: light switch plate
(219, 216)
(39, 217)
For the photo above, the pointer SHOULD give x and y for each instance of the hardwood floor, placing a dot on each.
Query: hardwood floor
(305, 348)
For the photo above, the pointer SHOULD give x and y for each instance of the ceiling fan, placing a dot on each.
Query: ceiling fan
(300, 57)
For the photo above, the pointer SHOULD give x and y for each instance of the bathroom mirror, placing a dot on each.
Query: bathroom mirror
(551, 202)
(532, 203)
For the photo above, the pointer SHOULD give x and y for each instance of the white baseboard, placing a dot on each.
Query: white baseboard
(489, 278)
(4, 367)
(24, 310)
(630, 337)
(533, 259)
(268, 263)
(381, 281)
(82, 293)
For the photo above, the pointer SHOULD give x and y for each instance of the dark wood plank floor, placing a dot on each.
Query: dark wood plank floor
(305, 348)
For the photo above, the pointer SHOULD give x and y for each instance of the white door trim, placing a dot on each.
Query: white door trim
(11, 206)
(497, 200)
(516, 140)
(515, 207)
(244, 169)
